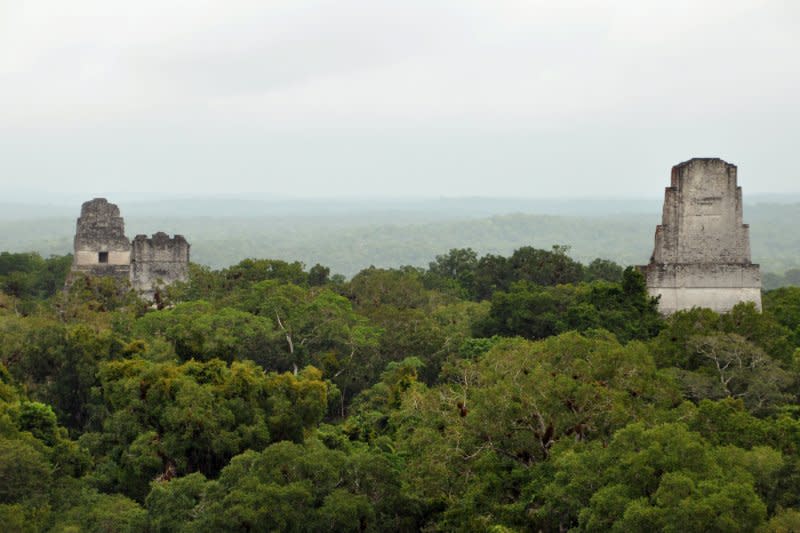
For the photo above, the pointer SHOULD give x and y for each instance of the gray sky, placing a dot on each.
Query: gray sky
(402, 97)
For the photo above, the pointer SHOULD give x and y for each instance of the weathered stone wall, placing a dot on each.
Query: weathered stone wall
(102, 249)
(100, 245)
(158, 261)
(701, 256)
(702, 217)
(720, 300)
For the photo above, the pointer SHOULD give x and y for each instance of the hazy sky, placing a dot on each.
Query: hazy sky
(401, 97)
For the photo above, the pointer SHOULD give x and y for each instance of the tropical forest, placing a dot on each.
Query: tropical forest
(527, 392)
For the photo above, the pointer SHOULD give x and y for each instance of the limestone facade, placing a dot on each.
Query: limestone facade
(701, 256)
(102, 249)
(158, 259)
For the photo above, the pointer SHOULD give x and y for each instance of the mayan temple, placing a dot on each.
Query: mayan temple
(102, 249)
(701, 256)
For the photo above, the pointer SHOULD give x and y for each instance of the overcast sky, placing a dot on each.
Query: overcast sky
(395, 98)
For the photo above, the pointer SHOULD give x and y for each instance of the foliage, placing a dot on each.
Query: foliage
(167, 419)
(784, 305)
(663, 478)
(292, 487)
(38, 461)
(481, 277)
(504, 412)
(58, 362)
(28, 275)
(536, 312)
(484, 393)
(196, 330)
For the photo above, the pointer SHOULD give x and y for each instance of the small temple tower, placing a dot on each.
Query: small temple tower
(101, 247)
(701, 256)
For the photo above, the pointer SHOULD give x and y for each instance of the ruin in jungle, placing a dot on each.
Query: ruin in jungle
(701, 256)
(102, 249)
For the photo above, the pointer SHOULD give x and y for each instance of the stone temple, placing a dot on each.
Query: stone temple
(102, 249)
(701, 256)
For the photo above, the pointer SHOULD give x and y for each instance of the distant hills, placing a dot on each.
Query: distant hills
(351, 234)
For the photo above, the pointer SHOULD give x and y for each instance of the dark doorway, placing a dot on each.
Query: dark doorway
(103, 257)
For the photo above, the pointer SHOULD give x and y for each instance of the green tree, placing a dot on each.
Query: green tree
(373, 287)
(544, 267)
(603, 269)
(493, 273)
(536, 311)
(58, 363)
(735, 368)
(784, 305)
(94, 512)
(167, 419)
(28, 275)
(671, 347)
(458, 265)
(198, 330)
(171, 504)
(291, 487)
(25, 472)
(318, 327)
(664, 478)
(470, 442)
(318, 275)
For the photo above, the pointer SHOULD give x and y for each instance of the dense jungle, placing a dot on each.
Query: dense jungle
(518, 392)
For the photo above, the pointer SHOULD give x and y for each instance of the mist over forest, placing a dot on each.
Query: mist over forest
(351, 234)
